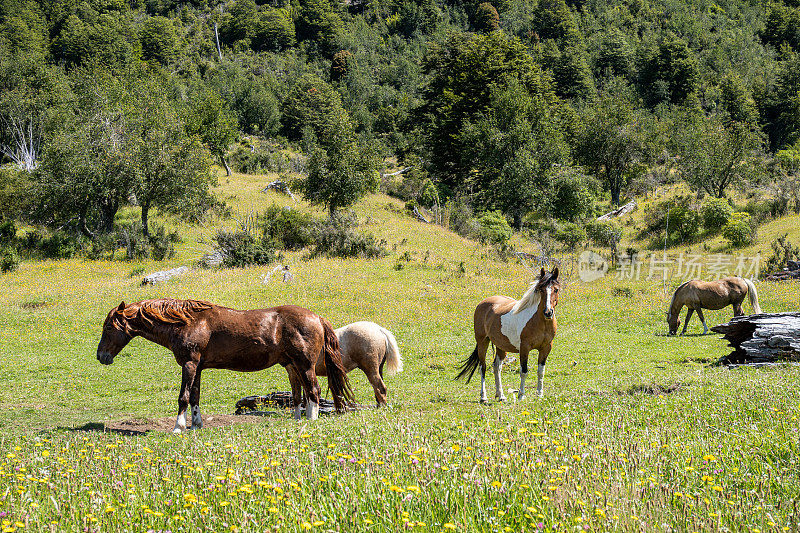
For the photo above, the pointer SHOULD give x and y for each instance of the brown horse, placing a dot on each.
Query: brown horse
(516, 327)
(697, 295)
(203, 335)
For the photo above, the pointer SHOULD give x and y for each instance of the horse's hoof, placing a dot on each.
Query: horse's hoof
(501, 398)
(177, 431)
(521, 397)
(484, 401)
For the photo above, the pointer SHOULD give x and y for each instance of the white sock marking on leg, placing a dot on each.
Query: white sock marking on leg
(180, 423)
(522, 376)
(540, 381)
(498, 382)
(312, 410)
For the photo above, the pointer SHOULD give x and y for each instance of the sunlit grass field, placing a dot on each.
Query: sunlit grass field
(635, 432)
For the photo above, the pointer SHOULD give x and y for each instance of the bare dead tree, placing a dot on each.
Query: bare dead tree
(26, 136)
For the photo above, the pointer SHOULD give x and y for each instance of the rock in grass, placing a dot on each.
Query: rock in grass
(763, 338)
(164, 275)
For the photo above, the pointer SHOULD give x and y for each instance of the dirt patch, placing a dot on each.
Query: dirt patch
(142, 426)
(651, 388)
(32, 305)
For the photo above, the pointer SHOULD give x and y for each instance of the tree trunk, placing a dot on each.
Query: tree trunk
(765, 338)
(109, 207)
(82, 225)
(225, 164)
(145, 214)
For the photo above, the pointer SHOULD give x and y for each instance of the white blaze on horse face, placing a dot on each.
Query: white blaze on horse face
(548, 308)
(312, 410)
(511, 325)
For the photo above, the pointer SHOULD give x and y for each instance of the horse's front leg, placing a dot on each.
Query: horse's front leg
(523, 373)
(688, 316)
(544, 351)
(497, 366)
(194, 401)
(187, 382)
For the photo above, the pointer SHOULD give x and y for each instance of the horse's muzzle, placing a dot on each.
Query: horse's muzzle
(105, 358)
(548, 315)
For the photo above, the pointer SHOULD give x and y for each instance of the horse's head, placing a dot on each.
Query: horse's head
(115, 335)
(674, 322)
(549, 286)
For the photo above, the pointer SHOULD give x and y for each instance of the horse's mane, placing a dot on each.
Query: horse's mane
(165, 310)
(674, 295)
(530, 298)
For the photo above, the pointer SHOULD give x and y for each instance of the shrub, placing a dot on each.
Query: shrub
(683, 224)
(739, 230)
(286, 228)
(240, 249)
(606, 233)
(8, 233)
(9, 259)
(783, 251)
(159, 246)
(257, 159)
(336, 238)
(462, 220)
(56, 245)
(494, 228)
(572, 200)
(716, 212)
(162, 243)
(571, 235)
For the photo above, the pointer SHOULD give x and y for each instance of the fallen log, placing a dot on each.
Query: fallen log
(164, 275)
(624, 210)
(279, 186)
(784, 275)
(284, 400)
(763, 338)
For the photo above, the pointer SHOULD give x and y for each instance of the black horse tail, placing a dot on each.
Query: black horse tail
(469, 365)
(337, 375)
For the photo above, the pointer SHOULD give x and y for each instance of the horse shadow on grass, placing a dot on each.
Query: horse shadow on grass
(100, 427)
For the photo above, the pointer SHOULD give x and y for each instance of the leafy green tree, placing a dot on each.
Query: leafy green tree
(461, 75)
(486, 18)
(615, 55)
(713, 155)
(170, 170)
(160, 41)
(274, 30)
(311, 102)
(209, 118)
(782, 26)
(737, 101)
(671, 73)
(781, 104)
(251, 97)
(340, 172)
(513, 152)
(614, 138)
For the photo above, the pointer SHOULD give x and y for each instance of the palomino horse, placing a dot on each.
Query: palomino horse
(367, 346)
(697, 295)
(516, 327)
(203, 335)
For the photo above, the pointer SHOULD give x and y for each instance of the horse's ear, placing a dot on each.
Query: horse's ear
(541, 274)
(555, 273)
(121, 306)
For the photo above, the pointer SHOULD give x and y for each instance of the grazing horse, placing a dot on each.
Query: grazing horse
(516, 327)
(697, 295)
(367, 346)
(203, 335)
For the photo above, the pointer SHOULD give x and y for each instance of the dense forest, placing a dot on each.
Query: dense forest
(531, 110)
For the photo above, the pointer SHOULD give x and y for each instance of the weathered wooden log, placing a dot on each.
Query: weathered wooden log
(624, 210)
(784, 275)
(419, 216)
(763, 338)
(164, 275)
(283, 400)
(279, 186)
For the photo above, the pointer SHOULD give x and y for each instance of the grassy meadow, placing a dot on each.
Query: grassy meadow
(636, 431)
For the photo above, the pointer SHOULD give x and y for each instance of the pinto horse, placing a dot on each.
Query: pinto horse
(697, 295)
(515, 326)
(203, 335)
